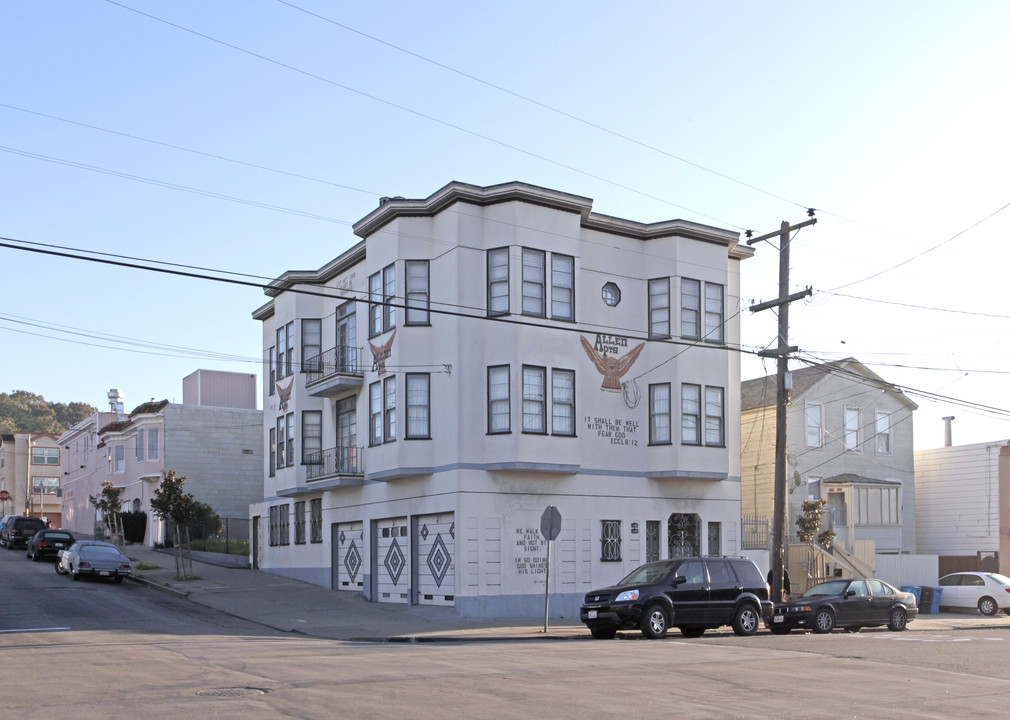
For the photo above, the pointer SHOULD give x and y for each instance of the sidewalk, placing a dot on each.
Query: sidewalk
(294, 606)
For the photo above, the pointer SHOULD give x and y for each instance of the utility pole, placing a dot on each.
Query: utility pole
(782, 394)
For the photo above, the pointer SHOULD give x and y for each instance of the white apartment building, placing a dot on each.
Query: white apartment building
(478, 356)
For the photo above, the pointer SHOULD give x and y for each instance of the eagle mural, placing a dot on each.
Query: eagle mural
(612, 368)
(381, 353)
(284, 394)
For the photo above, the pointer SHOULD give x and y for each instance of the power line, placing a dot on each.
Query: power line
(418, 113)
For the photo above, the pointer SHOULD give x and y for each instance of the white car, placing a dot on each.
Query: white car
(95, 558)
(989, 592)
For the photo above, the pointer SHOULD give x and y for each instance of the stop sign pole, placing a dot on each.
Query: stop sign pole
(550, 528)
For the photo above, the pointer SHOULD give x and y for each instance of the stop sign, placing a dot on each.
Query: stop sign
(4, 496)
(550, 523)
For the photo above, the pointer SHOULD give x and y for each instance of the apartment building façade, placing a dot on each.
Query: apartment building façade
(482, 354)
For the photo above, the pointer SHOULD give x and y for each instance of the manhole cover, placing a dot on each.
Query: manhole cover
(231, 692)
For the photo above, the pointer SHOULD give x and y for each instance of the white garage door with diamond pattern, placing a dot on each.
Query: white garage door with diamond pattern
(436, 543)
(350, 555)
(392, 556)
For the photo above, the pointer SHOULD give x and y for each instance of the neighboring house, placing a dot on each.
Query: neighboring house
(30, 474)
(216, 446)
(958, 513)
(848, 440)
(480, 355)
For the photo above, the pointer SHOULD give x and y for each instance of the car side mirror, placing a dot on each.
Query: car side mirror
(679, 580)
(850, 593)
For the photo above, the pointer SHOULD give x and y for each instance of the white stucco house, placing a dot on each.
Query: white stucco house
(482, 354)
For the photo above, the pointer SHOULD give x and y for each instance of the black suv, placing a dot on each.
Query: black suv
(694, 594)
(20, 530)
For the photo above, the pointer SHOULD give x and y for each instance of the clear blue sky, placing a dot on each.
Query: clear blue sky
(890, 118)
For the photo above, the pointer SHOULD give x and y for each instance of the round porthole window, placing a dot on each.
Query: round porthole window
(611, 294)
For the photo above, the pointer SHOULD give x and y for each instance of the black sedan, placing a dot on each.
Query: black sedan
(48, 543)
(849, 604)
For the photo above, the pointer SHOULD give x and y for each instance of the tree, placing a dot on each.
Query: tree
(175, 506)
(108, 504)
(23, 411)
(808, 528)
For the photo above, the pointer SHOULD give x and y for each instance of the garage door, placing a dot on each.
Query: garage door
(392, 552)
(347, 568)
(436, 572)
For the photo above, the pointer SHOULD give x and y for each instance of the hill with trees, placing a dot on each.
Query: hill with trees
(23, 411)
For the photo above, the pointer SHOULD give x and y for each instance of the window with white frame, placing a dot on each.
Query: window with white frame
(312, 437)
(659, 414)
(316, 520)
(117, 459)
(300, 522)
(715, 420)
(693, 313)
(382, 411)
(814, 487)
(690, 308)
(715, 312)
(312, 344)
(534, 279)
(883, 433)
(659, 308)
(562, 402)
(703, 423)
(534, 399)
(498, 281)
(876, 506)
(152, 443)
(499, 403)
(347, 338)
(417, 292)
(285, 349)
(418, 406)
(381, 295)
(814, 418)
(45, 486)
(690, 414)
(850, 431)
(272, 370)
(140, 445)
(285, 441)
(45, 456)
(610, 540)
(271, 468)
(562, 287)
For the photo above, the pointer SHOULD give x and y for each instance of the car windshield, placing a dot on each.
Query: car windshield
(1001, 579)
(651, 573)
(832, 587)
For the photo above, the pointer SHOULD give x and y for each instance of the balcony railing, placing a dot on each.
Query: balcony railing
(334, 461)
(334, 371)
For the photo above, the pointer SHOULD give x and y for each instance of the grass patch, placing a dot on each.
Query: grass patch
(180, 578)
(144, 566)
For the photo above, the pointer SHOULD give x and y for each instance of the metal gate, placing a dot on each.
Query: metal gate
(684, 530)
(392, 578)
(347, 540)
(435, 540)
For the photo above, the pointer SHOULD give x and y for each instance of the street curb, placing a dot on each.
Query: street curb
(156, 586)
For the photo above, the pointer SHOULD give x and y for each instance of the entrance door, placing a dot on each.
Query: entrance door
(392, 576)
(347, 541)
(684, 535)
(435, 540)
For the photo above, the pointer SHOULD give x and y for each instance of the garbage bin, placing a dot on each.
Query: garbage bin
(926, 599)
(934, 606)
(915, 590)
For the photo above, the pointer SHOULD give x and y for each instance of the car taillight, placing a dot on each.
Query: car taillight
(124, 566)
(41, 543)
(83, 563)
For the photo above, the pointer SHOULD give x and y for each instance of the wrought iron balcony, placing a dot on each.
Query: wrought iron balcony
(333, 462)
(334, 371)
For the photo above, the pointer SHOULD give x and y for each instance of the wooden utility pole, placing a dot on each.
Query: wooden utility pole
(781, 352)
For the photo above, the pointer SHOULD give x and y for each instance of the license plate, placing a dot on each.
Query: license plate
(58, 545)
(592, 614)
(779, 618)
(103, 572)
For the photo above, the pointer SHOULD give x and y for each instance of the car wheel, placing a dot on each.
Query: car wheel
(59, 569)
(988, 606)
(897, 621)
(600, 633)
(655, 622)
(853, 628)
(35, 556)
(746, 620)
(692, 632)
(779, 630)
(28, 554)
(824, 621)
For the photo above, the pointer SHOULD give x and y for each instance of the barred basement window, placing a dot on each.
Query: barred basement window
(316, 520)
(300, 523)
(610, 540)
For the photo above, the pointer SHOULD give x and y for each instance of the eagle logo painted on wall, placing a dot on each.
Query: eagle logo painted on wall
(284, 394)
(381, 353)
(611, 368)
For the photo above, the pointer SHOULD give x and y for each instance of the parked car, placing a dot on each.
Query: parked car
(20, 530)
(692, 594)
(48, 543)
(989, 592)
(845, 603)
(3, 522)
(95, 558)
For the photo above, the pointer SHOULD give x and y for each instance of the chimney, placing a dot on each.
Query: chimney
(946, 431)
(116, 403)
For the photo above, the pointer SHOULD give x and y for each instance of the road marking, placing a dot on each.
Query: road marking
(916, 637)
(22, 630)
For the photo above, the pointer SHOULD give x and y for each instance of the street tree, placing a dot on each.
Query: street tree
(108, 505)
(176, 507)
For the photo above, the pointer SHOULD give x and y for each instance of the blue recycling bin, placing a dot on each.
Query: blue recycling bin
(930, 599)
(934, 606)
(915, 590)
